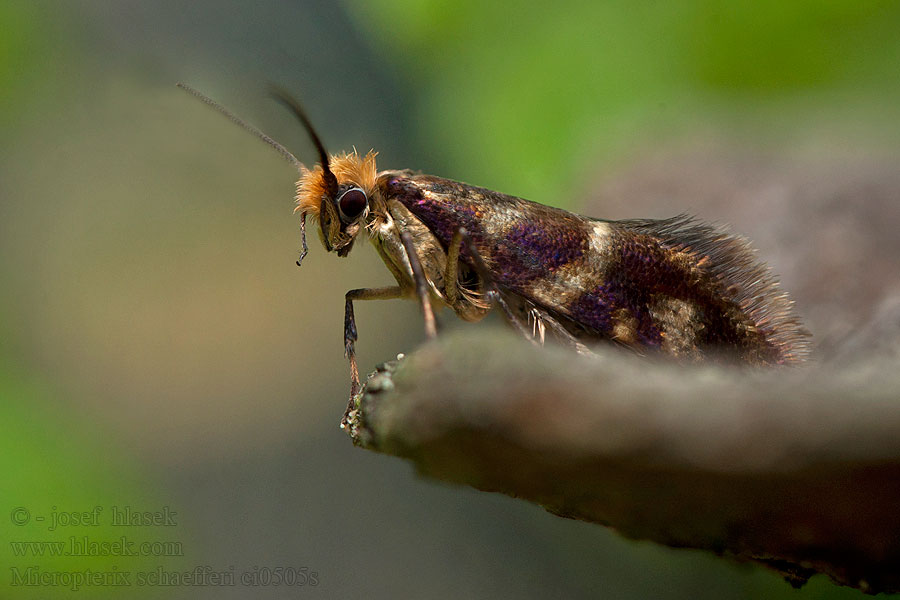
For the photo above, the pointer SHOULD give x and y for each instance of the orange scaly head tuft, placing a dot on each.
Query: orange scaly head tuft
(351, 170)
(339, 195)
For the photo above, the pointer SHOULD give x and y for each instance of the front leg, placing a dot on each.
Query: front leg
(385, 293)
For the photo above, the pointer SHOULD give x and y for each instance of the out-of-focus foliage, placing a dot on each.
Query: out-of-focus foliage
(15, 26)
(55, 461)
(522, 96)
(25, 50)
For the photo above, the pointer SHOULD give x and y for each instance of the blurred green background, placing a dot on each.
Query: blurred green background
(159, 348)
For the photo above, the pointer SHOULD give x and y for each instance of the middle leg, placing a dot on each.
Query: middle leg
(491, 291)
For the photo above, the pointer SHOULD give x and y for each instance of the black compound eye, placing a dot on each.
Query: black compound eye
(352, 203)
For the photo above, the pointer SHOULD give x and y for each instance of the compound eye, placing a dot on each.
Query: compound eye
(352, 203)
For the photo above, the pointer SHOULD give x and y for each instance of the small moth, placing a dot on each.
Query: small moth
(676, 287)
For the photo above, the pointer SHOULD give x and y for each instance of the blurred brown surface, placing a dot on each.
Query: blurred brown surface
(795, 469)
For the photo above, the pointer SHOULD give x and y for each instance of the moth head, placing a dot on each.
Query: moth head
(338, 191)
(339, 197)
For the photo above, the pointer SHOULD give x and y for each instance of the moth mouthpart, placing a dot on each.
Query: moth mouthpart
(372, 224)
(343, 249)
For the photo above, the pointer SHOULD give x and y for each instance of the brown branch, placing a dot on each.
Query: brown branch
(797, 469)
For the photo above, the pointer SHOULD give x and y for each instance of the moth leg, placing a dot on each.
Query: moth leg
(385, 293)
(492, 292)
(452, 272)
(421, 285)
(494, 297)
(537, 323)
(561, 332)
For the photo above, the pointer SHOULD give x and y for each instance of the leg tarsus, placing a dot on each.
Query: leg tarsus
(350, 334)
(350, 355)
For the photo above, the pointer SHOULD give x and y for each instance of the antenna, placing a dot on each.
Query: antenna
(240, 122)
(294, 106)
(281, 149)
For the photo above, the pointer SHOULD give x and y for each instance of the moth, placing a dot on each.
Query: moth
(676, 287)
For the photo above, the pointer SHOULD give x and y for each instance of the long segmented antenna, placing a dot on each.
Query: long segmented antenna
(241, 123)
(294, 106)
(281, 149)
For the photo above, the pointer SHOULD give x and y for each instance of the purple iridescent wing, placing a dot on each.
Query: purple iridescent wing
(675, 285)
